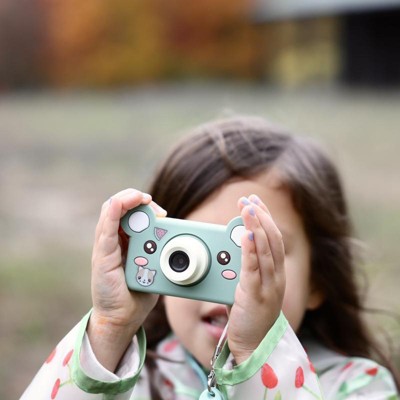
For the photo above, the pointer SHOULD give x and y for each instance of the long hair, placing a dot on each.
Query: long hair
(241, 147)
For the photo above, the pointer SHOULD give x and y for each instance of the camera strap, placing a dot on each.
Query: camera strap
(212, 393)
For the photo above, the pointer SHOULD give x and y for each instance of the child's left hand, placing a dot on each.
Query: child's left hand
(259, 293)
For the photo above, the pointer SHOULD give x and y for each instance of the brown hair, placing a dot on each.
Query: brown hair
(241, 147)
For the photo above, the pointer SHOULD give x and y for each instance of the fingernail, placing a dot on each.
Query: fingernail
(146, 196)
(245, 201)
(251, 236)
(252, 212)
(110, 200)
(159, 210)
(255, 199)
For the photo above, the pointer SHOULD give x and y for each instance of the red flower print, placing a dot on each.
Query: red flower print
(372, 371)
(348, 365)
(168, 383)
(170, 346)
(67, 358)
(51, 355)
(299, 380)
(55, 389)
(268, 376)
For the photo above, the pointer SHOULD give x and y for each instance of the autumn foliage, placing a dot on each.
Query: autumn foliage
(91, 42)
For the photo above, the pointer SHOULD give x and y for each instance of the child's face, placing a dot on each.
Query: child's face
(199, 324)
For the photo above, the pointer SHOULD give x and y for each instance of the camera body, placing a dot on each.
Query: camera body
(182, 258)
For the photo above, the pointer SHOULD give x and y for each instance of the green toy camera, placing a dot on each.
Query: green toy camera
(182, 258)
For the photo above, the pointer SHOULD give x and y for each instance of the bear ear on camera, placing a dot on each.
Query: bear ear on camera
(139, 219)
(236, 234)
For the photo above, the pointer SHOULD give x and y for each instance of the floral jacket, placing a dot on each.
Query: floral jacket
(279, 369)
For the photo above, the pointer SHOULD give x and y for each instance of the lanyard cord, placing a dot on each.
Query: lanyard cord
(212, 381)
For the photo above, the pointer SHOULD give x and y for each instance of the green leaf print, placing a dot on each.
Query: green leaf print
(278, 395)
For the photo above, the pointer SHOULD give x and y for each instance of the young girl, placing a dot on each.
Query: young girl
(295, 328)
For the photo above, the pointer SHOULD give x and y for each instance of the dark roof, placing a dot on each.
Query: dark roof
(269, 10)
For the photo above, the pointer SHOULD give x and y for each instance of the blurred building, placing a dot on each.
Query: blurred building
(352, 41)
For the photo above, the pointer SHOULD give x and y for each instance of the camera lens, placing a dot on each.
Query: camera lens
(179, 261)
(185, 260)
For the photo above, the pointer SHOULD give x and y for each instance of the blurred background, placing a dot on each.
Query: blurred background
(93, 93)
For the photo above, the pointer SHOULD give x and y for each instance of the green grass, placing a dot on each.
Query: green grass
(63, 154)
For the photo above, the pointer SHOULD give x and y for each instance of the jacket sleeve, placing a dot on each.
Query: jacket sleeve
(280, 369)
(358, 378)
(71, 371)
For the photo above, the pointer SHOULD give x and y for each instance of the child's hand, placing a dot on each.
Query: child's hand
(117, 312)
(259, 294)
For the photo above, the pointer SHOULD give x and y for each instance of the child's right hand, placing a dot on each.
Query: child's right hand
(117, 312)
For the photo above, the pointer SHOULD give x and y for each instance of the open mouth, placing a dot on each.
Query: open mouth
(217, 320)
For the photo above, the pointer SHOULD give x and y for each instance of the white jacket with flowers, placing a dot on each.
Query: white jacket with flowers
(279, 369)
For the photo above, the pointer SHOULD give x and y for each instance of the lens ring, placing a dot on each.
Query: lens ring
(198, 256)
(179, 261)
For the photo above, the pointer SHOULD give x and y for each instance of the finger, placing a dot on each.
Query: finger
(265, 262)
(117, 208)
(253, 198)
(160, 212)
(273, 233)
(274, 236)
(130, 198)
(127, 201)
(105, 207)
(243, 202)
(108, 239)
(120, 194)
(250, 275)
